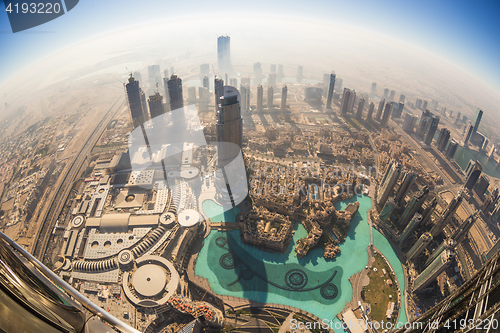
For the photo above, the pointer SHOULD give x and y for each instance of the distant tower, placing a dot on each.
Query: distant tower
(472, 173)
(352, 98)
(284, 92)
(410, 228)
(330, 91)
(218, 88)
(419, 246)
(206, 83)
(224, 54)
(467, 135)
(391, 96)
(175, 92)
(379, 110)
(257, 72)
(477, 121)
(413, 206)
(361, 106)
(388, 184)
(165, 73)
(402, 98)
(154, 75)
(346, 98)
(409, 123)
(447, 215)
(134, 101)
(273, 68)
(272, 80)
(424, 105)
(386, 93)
(300, 74)
(374, 87)
(167, 97)
(204, 98)
(434, 269)
(156, 105)
(260, 97)
(245, 97)
(369, 115)
(403, 189)
(229, 125)
(191, 95)
(387, 114)
(270, 97)
(432, 128)
(443, 138)
(280, 76)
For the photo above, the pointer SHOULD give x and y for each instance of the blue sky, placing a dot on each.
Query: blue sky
(466, 33)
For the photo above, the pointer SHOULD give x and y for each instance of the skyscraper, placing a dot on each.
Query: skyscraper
(452, 148)
(482, 185)
(433, 270)
(431, 130)
(233, 82)
(387, 114)
(388, 184)
(369, 115)
(330, 91)
(191, 99)
(270, 97)
(218, 89)
(403, 189)
(447, 215)
(144, 104)
(447, 244)
(472, 173)
(134, 101)
(477, 121)
(284, 92)
(245, 97)
(156, 105)
(203, 99)
(467, 135)
(380, 109)
(443, 138)
(424, 105)
(387, 210)
(167, 97)
(229, 125)
(413, 206)
(346, 98)
(386, 93)
(461, 232)
(427, 213)
(154, 75)
(260, 98)
(397, 110)
(361, 106)
(257, 72)
(409, 123)
(419, 246)
(374, 87)
(280, 76)
(300, 74)
(391, 95)
(175, 92)
(206, 83)
(402, 98)
(272, 80)
(410, 228)
(224, 54)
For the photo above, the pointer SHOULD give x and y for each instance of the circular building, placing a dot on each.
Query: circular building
(188, 218)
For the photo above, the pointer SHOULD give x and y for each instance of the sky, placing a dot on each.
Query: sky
(464, 33)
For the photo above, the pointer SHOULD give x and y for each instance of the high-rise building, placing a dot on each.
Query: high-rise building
(467, 135)
(452, 148)
(338, 84)
(447, 244)
(280, 76)
(402, 98)
(246, 81)
(419, 246)
(446, 215)
(300, 74)
(330, 91)
(272, 80)
(352, 98)
(424, 122)
(461, 232)
(154, 75)
(424, 105)
(482, 185)
(218, 89)
(156, 105)
(203, 99)
(387, 210)
(165, 74)
(167, 97)
(388, 184)
(413, 206)
(229, 126)
(191, 99)
(391, 95)
(144, 104)
(435, 268)
(418, 103)
(427, 213)
(245, 97)
(386, 93)
(409, 123)
(369, 115)
(346, 98)
(491, 201)
(260, 97)
(381, 104)
(431, 130)
(206, 83)
(443, 138)
(175, 92)
(134, 101)
(397, 110)
(472, 173)
(257, 72)
(477, 120)
(224, 54)
(233, 82)
(284, 92)
(410, 228)
(408, 179)
(138, 77)
(387, 114)
(374, 87)
(361, 106)
(270, 97)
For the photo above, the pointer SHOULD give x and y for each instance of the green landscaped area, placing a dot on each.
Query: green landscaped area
(377, 292)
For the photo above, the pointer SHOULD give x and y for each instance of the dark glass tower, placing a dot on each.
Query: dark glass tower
(134, 101)
(330, 91)
(175, 92)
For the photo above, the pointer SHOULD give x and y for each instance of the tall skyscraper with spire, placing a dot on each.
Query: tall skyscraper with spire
(134, 101)
(330, 91)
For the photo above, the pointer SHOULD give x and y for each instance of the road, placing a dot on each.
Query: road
(65, 181)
